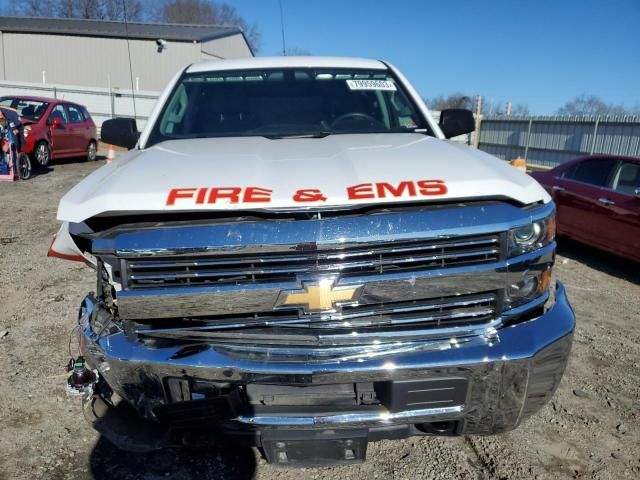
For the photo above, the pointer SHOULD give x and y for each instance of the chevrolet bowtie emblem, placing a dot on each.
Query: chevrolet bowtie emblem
(319, 296)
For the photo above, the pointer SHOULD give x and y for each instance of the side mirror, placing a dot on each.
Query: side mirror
(456, 121)
(55, 122)
(636, 192)
(122, 132)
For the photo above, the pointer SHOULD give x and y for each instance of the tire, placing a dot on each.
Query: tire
(92, 151)
(24, 166)
(42, 153)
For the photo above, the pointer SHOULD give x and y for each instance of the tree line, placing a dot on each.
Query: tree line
(201, 12)
(581, 105)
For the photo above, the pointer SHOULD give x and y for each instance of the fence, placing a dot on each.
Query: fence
(102, 103)
(550, 141)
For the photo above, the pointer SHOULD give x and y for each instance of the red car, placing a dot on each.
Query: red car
(598, 202)
(54, 128)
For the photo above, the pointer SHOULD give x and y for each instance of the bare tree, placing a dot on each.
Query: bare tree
(591, 105)
(455, 100)
(520, 110)
(209, 12)
(87, 9)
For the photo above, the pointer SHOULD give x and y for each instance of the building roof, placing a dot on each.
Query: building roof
(286, 62)
(106, 28)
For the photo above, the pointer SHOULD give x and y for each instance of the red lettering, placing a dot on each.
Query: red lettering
(432, 187)
(202, 193)
(398, 191)
(309, 195)
(359, 192)
(229, 193)
(257, 195)
(176, 193)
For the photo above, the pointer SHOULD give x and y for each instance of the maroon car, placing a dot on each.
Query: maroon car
(54, 128)
(598, 202)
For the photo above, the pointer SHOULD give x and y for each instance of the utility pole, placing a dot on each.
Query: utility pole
(509, 108)
(476, 133)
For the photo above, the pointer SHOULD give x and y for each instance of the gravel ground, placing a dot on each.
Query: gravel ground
(589, 430)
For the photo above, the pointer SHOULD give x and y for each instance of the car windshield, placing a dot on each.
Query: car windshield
(285, 103)
(29, 109)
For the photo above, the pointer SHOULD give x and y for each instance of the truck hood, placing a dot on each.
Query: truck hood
(273, 170)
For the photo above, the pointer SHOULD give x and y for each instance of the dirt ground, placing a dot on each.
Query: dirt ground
(590, 430)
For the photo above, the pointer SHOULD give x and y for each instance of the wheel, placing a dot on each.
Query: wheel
(24, 166)
(92, 151)
(42, 153)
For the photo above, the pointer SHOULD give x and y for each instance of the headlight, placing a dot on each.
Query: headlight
(530, 286)
(533, 236)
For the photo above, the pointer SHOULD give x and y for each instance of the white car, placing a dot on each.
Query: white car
(293, 255)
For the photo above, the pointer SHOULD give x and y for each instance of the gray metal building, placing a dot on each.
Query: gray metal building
(95, 53)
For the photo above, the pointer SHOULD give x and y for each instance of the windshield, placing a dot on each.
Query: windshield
(289, 102)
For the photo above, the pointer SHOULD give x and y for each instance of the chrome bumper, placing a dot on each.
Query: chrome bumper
(510, 373)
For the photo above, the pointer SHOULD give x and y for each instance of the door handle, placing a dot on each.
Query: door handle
(606, 201)
(558, 188)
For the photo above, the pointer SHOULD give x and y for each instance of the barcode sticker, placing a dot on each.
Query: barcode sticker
(371, 85)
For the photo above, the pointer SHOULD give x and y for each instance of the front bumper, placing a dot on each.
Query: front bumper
(508, 375)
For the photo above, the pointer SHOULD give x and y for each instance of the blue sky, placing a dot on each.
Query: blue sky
(541, 53)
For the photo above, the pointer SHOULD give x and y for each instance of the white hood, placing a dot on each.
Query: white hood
(140, 181)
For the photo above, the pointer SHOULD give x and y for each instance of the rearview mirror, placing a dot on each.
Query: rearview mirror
(122, 132)
(456, 121)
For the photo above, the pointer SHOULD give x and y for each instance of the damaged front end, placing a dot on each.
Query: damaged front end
(285, 334)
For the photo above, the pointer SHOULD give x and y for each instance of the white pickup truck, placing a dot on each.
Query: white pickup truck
(293, 256)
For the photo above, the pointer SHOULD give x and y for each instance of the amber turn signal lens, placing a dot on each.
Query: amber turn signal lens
(550, 228)
(544, 280)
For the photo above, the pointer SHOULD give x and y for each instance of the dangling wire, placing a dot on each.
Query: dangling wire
(284, 50)
(126, 33)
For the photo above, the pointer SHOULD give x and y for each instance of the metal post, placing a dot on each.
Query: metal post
(110, 94)
(476, 133)
(595, 134)
(526, 147)
(111, 102)
(55, 92)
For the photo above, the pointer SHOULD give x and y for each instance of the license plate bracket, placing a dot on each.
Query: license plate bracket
(314, 448)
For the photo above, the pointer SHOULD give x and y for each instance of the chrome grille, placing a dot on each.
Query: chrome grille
(378, 258)
(362, 324)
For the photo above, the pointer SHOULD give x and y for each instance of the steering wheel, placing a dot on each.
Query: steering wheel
(358, 116)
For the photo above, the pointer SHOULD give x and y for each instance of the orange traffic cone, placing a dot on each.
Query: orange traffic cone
(111, 154)
(520, 164)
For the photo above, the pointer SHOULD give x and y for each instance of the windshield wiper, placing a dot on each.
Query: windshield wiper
(320, 134)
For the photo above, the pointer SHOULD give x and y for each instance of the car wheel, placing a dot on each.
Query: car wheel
(24, 166)
(92, 151)
(42, 154)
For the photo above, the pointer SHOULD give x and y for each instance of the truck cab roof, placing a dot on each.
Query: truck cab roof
(286, 62)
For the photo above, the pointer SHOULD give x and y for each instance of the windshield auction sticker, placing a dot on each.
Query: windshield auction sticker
(371, 85)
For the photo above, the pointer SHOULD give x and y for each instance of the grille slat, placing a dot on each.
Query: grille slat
(374, 259)
(362, 324)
